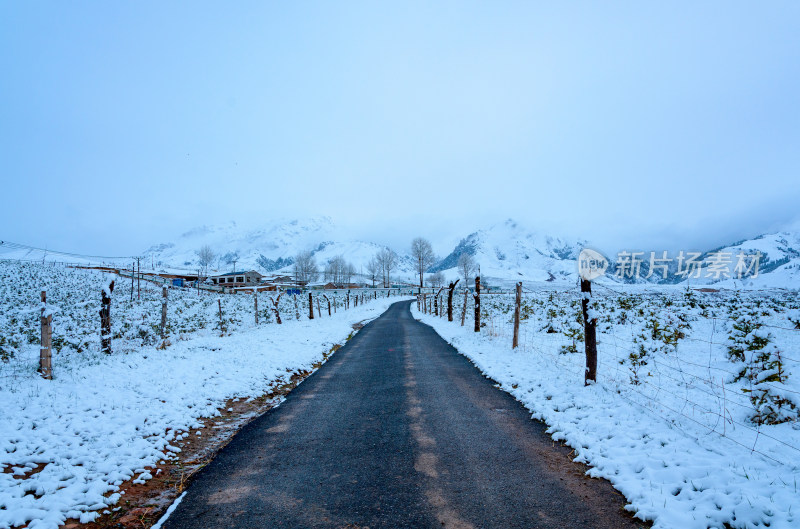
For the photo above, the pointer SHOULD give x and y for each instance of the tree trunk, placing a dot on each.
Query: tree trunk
(517, 304)
(590, 333)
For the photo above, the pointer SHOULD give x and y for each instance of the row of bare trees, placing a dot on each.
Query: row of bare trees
(378, 269)
(338, 271)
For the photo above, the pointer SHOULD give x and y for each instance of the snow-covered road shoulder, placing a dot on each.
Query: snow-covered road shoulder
(67, 445)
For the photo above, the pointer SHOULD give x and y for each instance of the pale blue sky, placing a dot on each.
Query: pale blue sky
(625, 123)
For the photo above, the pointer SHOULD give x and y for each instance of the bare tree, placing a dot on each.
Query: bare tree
(305, 267)
(338, 271)
(373, 270)
(466, 267)
(205, 256)
(387, 260)
(436, 280)
(422, 253)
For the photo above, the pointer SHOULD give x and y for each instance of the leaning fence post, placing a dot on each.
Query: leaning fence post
(46, 352)
(590, 333)
(105, 318)
(517, 304)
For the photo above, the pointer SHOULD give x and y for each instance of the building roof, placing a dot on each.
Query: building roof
(236, 273)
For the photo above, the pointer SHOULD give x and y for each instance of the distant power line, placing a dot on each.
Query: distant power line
(17, 246)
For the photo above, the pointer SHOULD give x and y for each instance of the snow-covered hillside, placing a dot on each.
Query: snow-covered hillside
(508, 251)
(267, 249)
(779, 263)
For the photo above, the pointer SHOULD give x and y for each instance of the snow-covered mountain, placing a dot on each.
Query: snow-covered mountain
(779, 265)
(268, 249)
(508, 251)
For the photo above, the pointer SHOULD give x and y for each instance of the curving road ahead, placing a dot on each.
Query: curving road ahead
(397, 430)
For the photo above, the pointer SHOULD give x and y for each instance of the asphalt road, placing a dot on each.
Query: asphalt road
(397, 430)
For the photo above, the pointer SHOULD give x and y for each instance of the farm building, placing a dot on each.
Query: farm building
(237, 279)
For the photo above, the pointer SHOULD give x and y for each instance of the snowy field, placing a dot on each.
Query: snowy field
(68, 444)
(694, 417)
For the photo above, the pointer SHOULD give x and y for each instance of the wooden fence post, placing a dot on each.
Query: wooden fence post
(590, 333)
(329, 304)
(46, 351)
(164, 313)
(255, 303)
(318, 309)
(466, 298)
(451, 288)
(221, 320)
(105, 318)
(310, 307)
(517, 304)
(275, 308)
(477, 303)
(296, 309)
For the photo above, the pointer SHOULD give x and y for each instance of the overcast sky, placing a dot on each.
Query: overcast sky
(630, 124)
